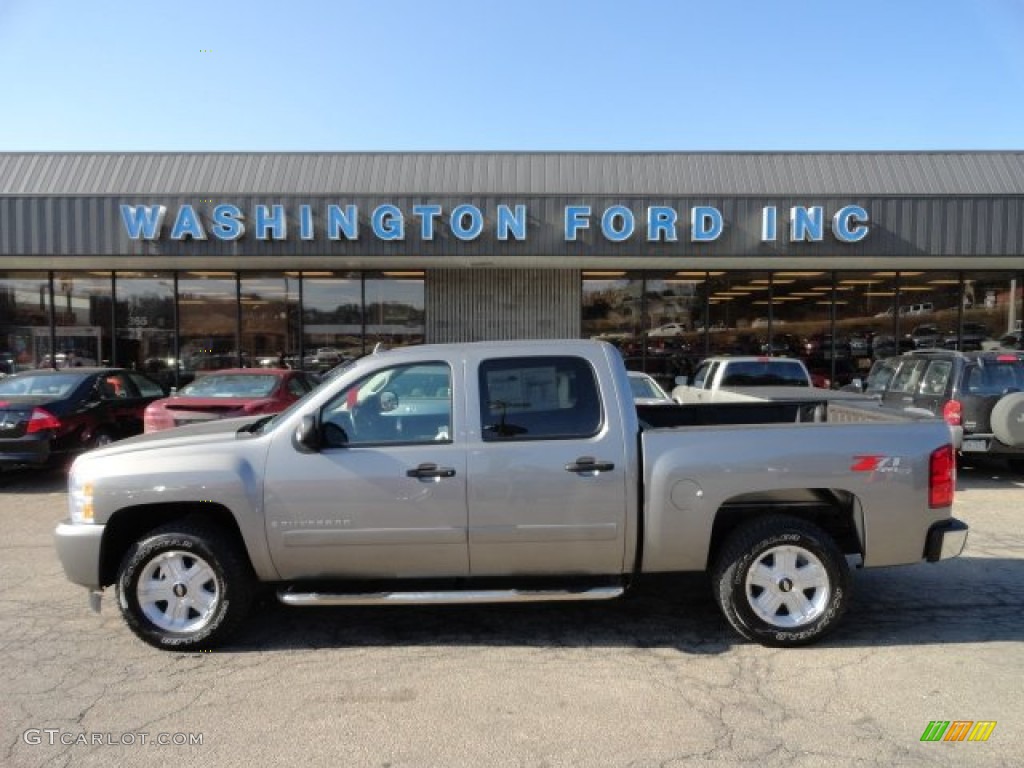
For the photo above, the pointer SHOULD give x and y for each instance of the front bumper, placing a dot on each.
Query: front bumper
(78, 547)
(945, 539)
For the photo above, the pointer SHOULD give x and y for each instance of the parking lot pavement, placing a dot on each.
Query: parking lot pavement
(654, 680)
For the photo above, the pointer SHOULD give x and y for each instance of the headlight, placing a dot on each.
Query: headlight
(80, 497)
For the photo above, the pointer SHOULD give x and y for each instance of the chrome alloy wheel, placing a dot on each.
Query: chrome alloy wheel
(787, 587)
(178, 591)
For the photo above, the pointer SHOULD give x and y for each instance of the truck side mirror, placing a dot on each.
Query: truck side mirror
(307, 435)
(682, 381)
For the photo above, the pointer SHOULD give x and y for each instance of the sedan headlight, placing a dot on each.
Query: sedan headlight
(80, 489)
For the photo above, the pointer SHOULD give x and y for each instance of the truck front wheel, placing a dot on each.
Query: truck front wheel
(781, 581)
(184, 587)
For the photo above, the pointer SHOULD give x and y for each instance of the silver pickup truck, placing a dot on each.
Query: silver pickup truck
(506, 471)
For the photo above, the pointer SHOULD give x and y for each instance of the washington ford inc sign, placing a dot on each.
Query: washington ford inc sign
(616, 223)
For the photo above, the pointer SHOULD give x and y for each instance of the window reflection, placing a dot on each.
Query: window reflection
(394, 309)
(270, 319)
(930, 305)
(208, 322)
(739, 312)
(82, 314)
(24, 320)
(991, 310)
(144, 324)
(332, 318)
(611, 303)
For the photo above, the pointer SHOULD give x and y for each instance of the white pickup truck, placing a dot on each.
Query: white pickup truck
(735, 379)
(505, 471)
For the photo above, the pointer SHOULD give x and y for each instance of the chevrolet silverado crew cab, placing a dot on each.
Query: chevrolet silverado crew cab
(506, 471)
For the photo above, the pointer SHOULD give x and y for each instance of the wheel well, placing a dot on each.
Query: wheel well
(128, 525)
(831, 510)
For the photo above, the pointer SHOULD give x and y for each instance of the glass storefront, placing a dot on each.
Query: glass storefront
(83, 306)
(144, 324)
(172, 325)
(332, 318)
(26, 321)
(838, 322)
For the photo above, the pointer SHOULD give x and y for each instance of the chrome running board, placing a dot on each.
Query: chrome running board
(448, 597)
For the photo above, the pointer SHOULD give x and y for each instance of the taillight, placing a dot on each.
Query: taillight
(40, 420)
(155, 419)
(941, 477)
(952, 413)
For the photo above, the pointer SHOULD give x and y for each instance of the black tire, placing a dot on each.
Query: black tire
(101, 438)
(212, 589)
(790, 551)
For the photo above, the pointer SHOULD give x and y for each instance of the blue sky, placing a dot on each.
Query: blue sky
(527, 75)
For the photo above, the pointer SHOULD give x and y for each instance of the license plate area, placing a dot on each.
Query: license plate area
(974, 446)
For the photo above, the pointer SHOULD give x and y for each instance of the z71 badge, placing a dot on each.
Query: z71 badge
(892, 464)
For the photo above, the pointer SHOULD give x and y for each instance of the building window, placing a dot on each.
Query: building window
(332, 319)
(144, 324)
(83, 318)
(394, 308)
(25, 317)
(270, 318)
(208, 312)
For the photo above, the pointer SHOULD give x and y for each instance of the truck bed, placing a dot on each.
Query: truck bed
(817, 410)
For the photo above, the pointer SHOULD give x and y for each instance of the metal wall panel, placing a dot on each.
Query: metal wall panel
(495, 304)
(504, 173)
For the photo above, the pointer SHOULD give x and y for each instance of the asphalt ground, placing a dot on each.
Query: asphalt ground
(657, 679)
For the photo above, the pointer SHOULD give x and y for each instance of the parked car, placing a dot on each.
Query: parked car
(662, 368)
(824, 345)
(48, 416)
(927, 336)
(885, 345)
(831, 374)
(733, 379)
(646, 391)
(860, 343)
(979, 394)
(227, 393)
(1012, 340)
(668, 330)
(69, 359)
(781, 345)
(970, 339)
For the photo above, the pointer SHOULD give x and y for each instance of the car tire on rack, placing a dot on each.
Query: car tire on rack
(1007, 419)
(185, 586)
(781, 581)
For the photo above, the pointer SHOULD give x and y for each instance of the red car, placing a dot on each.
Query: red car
(228, 393)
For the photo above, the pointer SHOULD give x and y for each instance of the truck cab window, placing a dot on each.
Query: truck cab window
(538, 398)
(403, 404)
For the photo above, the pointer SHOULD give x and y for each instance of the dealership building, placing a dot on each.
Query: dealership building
(176, 262)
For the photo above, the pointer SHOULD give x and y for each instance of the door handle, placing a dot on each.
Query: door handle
(430, 470)
(589, 464)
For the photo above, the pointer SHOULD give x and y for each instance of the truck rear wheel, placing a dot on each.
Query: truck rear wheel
(781, 581)
(184, 587)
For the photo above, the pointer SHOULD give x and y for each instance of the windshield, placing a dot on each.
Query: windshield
(641, 386)
(231, 385)
(765, 374)
(51, 386)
